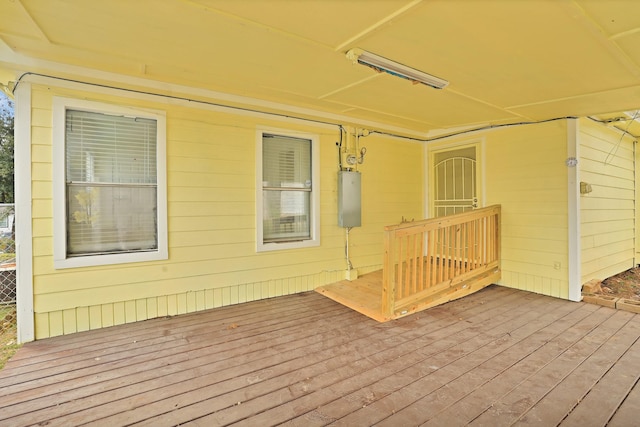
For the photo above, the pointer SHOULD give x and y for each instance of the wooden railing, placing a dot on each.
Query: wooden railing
(432, 261)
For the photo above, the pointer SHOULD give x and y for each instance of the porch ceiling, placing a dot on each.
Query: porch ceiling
(507, 61)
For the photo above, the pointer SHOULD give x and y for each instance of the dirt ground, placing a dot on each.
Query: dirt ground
(623, 285)
(8, 338)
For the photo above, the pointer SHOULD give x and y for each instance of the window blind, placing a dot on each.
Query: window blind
(286, 180)
(111, 179)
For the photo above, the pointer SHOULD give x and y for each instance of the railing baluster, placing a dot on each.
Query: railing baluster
(421, 266)
(481, 242)
(414, 260)
(410, 265)
(494, 253)
(457, 257)
(485, 246)
(432, 257)
(388, 274)
(478, 242)
(406, 290)
(401, 268)
(470, 246)
(441, 254)
(451, 244)
(498, 231)
(487, 238)
(467, 252)
(491, 239)
(407, 274)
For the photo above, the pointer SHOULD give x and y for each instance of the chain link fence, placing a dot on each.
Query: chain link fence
(8, 316)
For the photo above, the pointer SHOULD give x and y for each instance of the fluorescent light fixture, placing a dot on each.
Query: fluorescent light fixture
(385, 65)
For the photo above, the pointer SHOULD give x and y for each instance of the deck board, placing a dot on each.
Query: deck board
(393, 391)
(544, 349)
(615, 380)
(440, 389)
(554, 404)
(495, 357)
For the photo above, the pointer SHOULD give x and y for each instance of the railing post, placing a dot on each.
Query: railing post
(389, 274)
(498, 219)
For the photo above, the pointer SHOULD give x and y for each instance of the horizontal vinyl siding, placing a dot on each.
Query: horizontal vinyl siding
(526, 174)
(392, 188)
(607, 214)
(211, 222)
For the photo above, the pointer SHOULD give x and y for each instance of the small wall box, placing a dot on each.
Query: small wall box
(349, 199)
(585, 188)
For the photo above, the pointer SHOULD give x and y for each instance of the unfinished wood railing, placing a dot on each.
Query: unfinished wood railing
(432, 261)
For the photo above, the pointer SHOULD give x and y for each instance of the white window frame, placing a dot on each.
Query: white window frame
(314, 228)
(60, 258)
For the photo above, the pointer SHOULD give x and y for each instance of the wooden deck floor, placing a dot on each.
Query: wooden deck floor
(497, 357)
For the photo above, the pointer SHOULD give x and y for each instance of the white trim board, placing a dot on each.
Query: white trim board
(573, 212)
(59, 109)
(314, 241)
(24, 230)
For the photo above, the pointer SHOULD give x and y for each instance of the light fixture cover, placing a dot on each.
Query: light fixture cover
(385, 65)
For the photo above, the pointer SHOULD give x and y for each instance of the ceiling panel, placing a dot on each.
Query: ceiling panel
(496, 52)
(613, 16)
(385, 118)
(233, 55)
(441, 108)
(31, 47)
(630, 44)
(329, 22)
(624, 99)
(15, 20)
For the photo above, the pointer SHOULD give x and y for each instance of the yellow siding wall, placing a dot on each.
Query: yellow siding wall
(392, 188)
(607, 214)
(526, 173)
(211, 222)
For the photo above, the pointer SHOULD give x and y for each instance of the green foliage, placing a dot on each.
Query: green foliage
(6, 150)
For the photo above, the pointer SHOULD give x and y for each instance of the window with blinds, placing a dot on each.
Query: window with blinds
(111, 183)
(286, 188)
